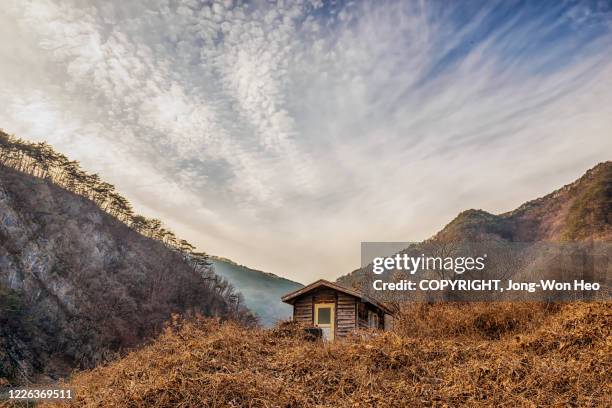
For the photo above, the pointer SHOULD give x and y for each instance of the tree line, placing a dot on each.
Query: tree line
(42, 161)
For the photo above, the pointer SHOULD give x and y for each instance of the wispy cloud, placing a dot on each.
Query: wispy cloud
(283, 134)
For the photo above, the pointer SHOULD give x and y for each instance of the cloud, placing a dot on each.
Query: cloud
(283, 134)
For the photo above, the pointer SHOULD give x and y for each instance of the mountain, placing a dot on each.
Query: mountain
(579, 211)
(81, 280)
(261, 290)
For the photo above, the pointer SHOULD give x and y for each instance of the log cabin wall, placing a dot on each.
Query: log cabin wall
(345, 314)
(362, 316)
(364, 309)
(381, 319)
(351, 312)
(323, 295)
(345, 309)
(302, 310)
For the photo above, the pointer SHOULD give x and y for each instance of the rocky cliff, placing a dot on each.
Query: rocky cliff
(77, 285)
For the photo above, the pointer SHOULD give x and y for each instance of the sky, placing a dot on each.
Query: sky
(283, 134)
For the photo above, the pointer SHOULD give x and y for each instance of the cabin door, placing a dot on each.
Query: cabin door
(324, 318)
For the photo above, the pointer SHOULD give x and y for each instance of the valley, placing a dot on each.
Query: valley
(87, 285)
(261, 290)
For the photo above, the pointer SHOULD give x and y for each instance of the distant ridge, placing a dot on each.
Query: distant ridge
(270, 274)
(261, 290)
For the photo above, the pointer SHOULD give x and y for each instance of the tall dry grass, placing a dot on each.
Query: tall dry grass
(440, 355)
(472, 321)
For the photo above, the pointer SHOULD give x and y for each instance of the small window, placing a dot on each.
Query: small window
(324, 316)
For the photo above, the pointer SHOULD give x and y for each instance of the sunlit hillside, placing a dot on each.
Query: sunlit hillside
(577, 212)
(440, 355)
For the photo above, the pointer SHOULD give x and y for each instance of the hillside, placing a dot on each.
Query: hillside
(261, 290)
(472, 355)
(579, 211)
(77, 283)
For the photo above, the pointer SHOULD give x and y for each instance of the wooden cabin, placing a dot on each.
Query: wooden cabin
(337, 310)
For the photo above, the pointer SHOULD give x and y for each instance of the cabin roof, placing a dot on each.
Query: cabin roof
(290, 297)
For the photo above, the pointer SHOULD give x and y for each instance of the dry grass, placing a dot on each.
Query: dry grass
(472, 321)
(441, 355)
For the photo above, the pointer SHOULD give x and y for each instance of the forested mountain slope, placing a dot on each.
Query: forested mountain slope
(579, 211)
(262, 291)
(81, 278)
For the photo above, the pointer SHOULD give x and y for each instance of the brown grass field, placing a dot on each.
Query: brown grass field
(444, 355)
